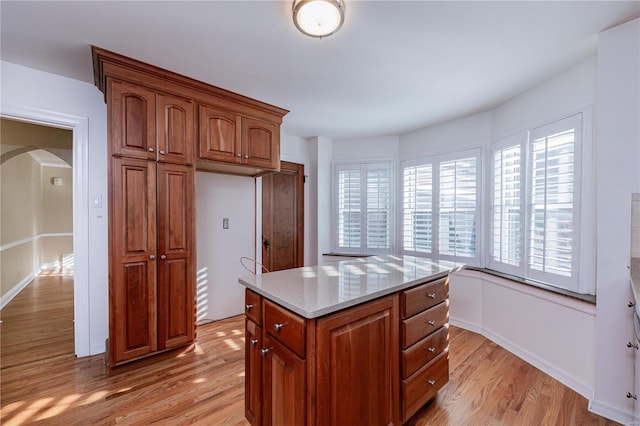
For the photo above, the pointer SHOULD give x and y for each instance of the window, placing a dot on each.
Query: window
(534, 232)
(364, 207)
(440, 207)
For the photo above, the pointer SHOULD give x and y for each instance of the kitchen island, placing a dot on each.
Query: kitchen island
(363, 341)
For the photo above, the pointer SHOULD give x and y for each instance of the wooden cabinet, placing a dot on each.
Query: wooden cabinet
(424, 337)
(153, 129)
(149, 125)
(357, 365)
(364, 365)
(152, 278)
(284, 385)
(230, 137)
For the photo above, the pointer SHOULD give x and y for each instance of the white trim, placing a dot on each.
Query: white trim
(34, 238)
(613, 413)
(80, 127)
(15, 290)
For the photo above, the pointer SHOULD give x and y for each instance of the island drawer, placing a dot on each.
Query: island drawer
(253, 307)
(423, 297)
(424, 351)
(423, 385)
(423, 324)
(286, 327)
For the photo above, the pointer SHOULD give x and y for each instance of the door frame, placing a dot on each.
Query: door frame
(80, 129)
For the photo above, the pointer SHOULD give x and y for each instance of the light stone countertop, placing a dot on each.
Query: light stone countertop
(634, 280)
(314, 291)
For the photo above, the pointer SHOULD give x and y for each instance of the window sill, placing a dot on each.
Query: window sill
(578, 296)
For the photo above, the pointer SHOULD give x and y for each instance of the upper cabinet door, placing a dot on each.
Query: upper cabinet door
(261, 142)
(175, 129)
(132, 114)
(219, 136)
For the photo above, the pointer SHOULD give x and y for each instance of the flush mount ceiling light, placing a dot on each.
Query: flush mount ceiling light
(318, 18)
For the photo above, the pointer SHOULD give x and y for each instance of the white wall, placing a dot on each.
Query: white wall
(386, 147)
(618, 172)
(455, 135)
(552, 332)
(297, 150)
(40, 93)
(320, 153)
(218, 196)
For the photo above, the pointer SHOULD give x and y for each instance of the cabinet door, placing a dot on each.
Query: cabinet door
(132, 114)
(132, 287)
(253, 374)
(261, 144)
(284, 386)
(219, 135)
(176, 267)
(357, 366)
(175, 129)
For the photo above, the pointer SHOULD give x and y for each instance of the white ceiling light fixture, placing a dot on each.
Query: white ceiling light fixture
(318, 18)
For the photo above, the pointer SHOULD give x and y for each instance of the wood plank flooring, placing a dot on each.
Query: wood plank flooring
(488, 385)
(38, 323)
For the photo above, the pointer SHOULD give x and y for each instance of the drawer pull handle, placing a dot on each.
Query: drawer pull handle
(277, 326)
(432, 350)
(253, 341)
(431, 382)
(631, 345)
(263, 352)
(248, 307)
(431, 323)
(431, 295)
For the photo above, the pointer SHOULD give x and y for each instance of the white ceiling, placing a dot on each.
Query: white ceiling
(393, 67)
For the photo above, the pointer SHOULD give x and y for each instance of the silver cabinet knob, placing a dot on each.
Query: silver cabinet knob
(161, 152)
(246, 156)
(631, 345)
(277, 327)
(248, 307)
(253, 341)
(238, 155)
(150, 149)
(163, 257)
(431, 382)
(263, 352)
(431, 295)
(432, 350)
(152, 257)
(431, 323)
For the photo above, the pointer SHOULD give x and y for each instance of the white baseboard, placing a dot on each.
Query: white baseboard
(16, 289)
(610, 412)
(529, 357)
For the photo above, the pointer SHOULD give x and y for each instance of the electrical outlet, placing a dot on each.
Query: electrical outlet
(225, 223)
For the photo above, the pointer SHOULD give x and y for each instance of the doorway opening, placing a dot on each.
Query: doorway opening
(37, 243)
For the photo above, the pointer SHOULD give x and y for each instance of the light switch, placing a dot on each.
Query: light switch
(225, 223)
(97, 201)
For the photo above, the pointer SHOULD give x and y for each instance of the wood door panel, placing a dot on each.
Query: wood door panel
(260, 143)
(175, 129)
(253, 373)
(132, 120)
(176, 266)
(219, 135)
(357, 365)
(284, 386)
(132, 311)
(283, 218)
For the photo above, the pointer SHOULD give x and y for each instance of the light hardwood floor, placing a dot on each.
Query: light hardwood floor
(488, 385)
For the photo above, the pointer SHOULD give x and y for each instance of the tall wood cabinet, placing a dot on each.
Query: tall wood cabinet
(154, 131)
